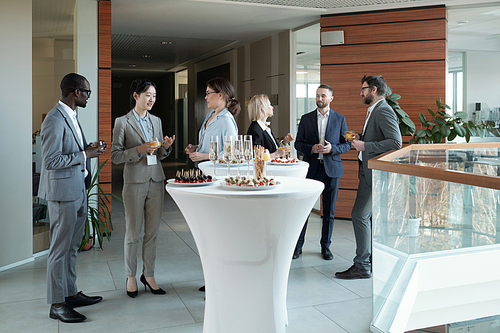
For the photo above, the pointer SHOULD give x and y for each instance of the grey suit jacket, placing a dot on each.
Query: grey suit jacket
(381, 135)
(63, 161)
(127, 135)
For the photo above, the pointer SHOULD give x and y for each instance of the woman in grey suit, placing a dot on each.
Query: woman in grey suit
(143, 181)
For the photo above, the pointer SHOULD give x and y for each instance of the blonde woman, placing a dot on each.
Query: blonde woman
(259, 109)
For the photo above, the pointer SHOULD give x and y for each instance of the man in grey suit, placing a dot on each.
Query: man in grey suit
(380, 134)
(65, 174)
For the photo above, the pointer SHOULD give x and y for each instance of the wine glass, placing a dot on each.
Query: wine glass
(288, 149)
(248, 151)
(214, 150)
(227, 152)
(238, 150)
(154, 143)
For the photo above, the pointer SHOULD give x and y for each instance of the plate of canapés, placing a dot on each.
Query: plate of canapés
(248, 183)
(284, 161)
(232, 163)
(193, 177)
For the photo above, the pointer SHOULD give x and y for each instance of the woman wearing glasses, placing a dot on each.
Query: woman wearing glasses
(220, 121)
(135, 146)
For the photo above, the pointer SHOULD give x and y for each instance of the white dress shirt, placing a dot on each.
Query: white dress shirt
(322, 123)
(368, 113)
(266, 128)
(72, 115)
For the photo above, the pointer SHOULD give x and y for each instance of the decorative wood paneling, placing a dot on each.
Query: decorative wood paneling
(407, 47)
(393, 32)
(344, 204)
(397, 15)
(104, 73)
(391, 52)
(104, 52)
(350, 178)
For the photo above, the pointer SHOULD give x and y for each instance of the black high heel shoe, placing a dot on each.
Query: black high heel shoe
(158, 291)
(132, 294)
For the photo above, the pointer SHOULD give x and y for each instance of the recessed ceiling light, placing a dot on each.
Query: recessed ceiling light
(462, 22)
(132, 66)
(146, 56)
(166, 43)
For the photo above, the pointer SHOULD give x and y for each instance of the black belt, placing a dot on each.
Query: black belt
(321, 161)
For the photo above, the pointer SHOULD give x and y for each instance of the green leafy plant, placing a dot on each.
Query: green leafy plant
(98, 214)
(439, 126)
(406, 125)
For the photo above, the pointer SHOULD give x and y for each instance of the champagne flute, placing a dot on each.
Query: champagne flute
(238, 150)
(227, 153)
(214, 150)
(248, 151)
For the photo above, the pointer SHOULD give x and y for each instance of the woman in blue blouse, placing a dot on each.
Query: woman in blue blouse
(220, 122)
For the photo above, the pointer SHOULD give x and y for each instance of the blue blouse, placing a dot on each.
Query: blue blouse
(223, 124)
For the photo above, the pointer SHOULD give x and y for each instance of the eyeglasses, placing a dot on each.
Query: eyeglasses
(85, 90)
(210, 92)
(363, 88)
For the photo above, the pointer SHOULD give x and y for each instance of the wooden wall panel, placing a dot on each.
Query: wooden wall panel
(104, 52)
(393, 32)
(344, 204)
(104, 73)
(407, 47)
(397, 15)
(387, 52)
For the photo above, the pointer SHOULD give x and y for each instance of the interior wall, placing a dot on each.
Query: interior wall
(16, 231)
(481, 79)
(407, 47)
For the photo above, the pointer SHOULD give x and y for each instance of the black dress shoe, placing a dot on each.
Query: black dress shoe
(82, 300)
(326, 253)
(158, 291)
(297, 253)
(353, 273)
(66, 314)
(201, 288)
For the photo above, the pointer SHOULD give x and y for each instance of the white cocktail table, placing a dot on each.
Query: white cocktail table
(246, 239)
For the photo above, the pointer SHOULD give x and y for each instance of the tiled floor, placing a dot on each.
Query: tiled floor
(316, 301)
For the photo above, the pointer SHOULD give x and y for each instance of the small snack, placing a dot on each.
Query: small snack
(259, 163)
(192, 176)
(349, 136)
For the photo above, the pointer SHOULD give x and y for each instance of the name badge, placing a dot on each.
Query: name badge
(151, 159)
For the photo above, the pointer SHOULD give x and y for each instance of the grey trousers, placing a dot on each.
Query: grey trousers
(143, 204)
(67, 219)
(361, 221)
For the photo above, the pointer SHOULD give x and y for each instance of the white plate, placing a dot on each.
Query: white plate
(172, 182)
(281, 163)
(232, 164)
(246, 188)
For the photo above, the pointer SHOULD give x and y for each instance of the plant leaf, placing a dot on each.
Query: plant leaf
(423, 121)
(461, 115)
(460, 130)
(421, 134)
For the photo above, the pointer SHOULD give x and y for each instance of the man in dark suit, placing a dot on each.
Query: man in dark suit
(380, 134)
(65, 175)
(320, 138)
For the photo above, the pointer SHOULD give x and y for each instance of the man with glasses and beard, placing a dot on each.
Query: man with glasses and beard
(320, 137)
(380, 134)
(65, 175)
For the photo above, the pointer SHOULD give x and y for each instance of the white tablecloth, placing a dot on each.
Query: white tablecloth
(273, 170)
(246, 239)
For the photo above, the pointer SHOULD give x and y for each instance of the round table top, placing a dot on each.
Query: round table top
(272, 170)
(287, 186)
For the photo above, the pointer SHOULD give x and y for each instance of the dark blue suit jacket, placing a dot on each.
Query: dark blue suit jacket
(307, 136)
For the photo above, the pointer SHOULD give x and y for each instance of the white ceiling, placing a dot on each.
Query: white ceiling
(162, 35)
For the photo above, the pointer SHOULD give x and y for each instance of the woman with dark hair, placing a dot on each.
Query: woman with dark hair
(220, 122)
(259, 109)
(134, 144)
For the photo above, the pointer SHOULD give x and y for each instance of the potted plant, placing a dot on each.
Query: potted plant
(98, 223)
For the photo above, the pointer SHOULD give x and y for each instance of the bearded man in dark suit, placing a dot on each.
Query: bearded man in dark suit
(320, 137)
